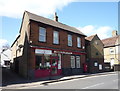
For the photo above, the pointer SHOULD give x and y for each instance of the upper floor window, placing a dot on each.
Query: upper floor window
(42, 34)
(78, 42)
(56, 37)
(69, 40)
(111, 51)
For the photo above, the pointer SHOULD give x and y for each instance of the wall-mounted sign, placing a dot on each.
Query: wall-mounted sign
(62, 52)
(40, 51)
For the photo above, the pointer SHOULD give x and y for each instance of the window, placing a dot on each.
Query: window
(95, 64)
(69, 40)
(100, 66)
(38, 62)
(111, 51)
(42, 34)
(72, 61)
(77, 61)
(56, 37)
(78, 42)
(96, 42)
(97, 53)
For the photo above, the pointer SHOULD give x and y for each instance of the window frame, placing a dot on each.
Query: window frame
(69, 41)
(77, 62)
(43, 35)
(72, 59)
(112, 51)
(54, 37)
(79, 42)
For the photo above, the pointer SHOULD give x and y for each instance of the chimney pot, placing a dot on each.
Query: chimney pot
(114, 33)
(55, 17)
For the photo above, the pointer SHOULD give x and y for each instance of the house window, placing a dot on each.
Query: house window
(72, 61)
(97, 53)
(77, 61)
(111, 51)
(69, 40)
(56, 37)
(95, 64)
(100, 66)
(42, 34)
(78, 42)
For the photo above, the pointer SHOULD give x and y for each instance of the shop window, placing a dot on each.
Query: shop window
(72, 61)
(38, 62)
(78, 42)
(42, 34)
(69, 40)
(77, 61)
(42, 64)
(47, 61)
(56, 37)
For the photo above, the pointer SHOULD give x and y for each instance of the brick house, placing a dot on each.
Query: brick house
(47, 48)
(95, 54)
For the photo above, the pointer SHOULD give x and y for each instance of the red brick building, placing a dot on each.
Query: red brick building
(47, 47)
(95, 54)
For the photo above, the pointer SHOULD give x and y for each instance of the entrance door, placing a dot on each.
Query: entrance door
(54, 65)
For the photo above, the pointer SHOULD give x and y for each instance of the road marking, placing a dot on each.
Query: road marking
(115, 80)
(93, 86)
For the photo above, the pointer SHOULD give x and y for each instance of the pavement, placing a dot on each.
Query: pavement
(13, 81)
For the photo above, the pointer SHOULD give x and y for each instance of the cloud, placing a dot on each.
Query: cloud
(15, 8)
(102, 31)
(3, 42)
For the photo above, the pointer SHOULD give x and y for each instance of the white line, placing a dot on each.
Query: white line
(115, 80)
(93, 86)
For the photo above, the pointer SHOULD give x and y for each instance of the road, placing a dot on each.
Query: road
(109, 81)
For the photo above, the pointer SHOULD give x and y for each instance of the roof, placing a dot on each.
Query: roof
(109, 41)
(90, 37)
(53, 23)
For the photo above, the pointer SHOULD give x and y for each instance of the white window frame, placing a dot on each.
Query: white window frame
(77, 61)
(42, 35)
(100, 67)
(56, 37)
(95, 64)
(78, 42)
(112, 51)
(69, 40)
(72, 61)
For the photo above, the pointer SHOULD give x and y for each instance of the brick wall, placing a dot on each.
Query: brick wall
(34, 37)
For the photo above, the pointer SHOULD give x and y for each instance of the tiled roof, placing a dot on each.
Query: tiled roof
(90, 37)
(109, 41)
(52, 23)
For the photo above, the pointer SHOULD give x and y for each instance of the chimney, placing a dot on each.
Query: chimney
(55, 17)
(114, 33)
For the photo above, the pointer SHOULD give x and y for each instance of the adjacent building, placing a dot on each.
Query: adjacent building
(112, 49)
(95, 54)
(46, 48)
(5, 57)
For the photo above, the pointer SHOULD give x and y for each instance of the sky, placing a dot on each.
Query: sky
(89, 17)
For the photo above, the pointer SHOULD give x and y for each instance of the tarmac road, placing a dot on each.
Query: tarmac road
(109, 81)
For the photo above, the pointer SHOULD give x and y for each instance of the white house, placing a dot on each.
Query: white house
(5, 58)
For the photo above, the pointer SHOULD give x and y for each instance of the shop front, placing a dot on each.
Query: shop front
(47, 63)
(52, 62)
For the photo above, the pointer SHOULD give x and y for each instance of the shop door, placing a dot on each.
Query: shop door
(54, 65)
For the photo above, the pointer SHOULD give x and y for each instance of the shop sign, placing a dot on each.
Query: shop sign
(62, 52)
(40, 51)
